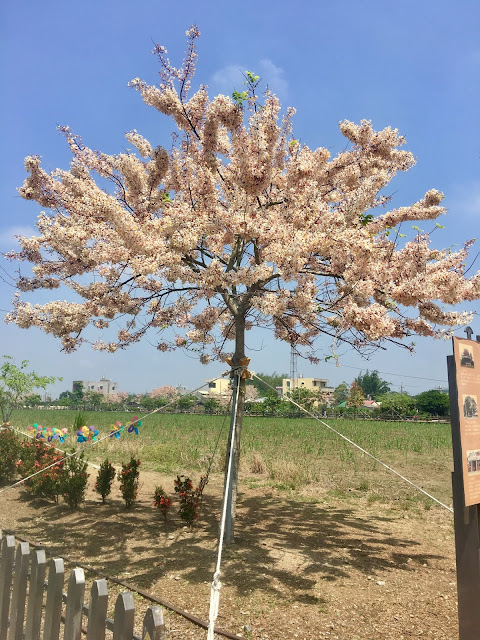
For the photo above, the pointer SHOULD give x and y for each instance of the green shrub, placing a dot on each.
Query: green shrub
(128, 477)
(9, 454)
(105, 478)
(78, 421)
(74, 480)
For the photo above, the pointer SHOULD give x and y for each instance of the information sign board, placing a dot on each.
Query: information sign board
(467, 366)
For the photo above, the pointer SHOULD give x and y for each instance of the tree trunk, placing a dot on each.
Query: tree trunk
(230, 491)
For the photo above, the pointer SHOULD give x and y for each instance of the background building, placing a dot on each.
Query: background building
(218, 387)
(312, 384)
(103, 386)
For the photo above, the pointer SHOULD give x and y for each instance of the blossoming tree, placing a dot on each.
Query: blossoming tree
(166, 391)
(237, 225)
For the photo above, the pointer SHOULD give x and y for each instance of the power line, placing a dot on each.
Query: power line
(400, 375)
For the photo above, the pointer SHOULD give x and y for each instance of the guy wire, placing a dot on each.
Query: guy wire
(367, 453)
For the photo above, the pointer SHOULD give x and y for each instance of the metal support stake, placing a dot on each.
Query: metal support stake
(229, 492)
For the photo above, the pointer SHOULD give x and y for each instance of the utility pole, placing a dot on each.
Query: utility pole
(293, 367)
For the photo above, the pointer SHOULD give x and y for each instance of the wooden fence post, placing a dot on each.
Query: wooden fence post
(53, 608)
(123, 617)
(153, 624)
(97, 610)
(17, 612)
(6, 571)
(35, 596)
(13, 627)
(73, 614)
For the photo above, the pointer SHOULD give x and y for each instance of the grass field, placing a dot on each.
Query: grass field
(296, 455)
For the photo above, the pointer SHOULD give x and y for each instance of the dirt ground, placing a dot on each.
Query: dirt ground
(307, 566)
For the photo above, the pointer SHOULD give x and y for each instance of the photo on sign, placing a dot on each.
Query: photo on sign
(466, 355)
(473, 460)
(470, 406)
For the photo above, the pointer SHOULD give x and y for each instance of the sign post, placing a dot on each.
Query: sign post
(464, 389)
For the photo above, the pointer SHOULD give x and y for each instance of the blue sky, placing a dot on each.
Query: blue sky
(412, 65)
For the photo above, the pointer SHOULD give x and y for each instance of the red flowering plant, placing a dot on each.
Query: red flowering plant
(35, 456)
(128, 477)
(162, 501)
(189, 497)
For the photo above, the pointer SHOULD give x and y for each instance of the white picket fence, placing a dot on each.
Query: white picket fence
(25, 618)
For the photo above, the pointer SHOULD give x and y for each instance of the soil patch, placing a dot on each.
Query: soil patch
(306, 565)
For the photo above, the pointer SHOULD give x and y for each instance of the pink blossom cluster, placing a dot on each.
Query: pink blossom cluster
(166, 391)
(238, 225)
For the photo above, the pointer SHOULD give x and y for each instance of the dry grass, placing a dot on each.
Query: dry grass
(257, 464)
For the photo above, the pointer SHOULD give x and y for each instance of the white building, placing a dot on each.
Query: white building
(103, 386)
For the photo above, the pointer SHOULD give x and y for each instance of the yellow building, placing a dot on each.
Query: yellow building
(218, 387)
(312, 384)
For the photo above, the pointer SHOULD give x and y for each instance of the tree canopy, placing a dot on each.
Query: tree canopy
(340, 393)
(435, 402)
(372, 385)
(401, 404)
(355, 397)
(273, 379)
(239, 224)
(16, 384)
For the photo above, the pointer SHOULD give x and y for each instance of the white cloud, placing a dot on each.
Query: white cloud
(7, 236)
(230, 78)
(274, 77)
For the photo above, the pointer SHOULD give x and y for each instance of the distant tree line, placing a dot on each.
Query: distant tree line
(349, 399)
(263, 399)
(17, 387)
